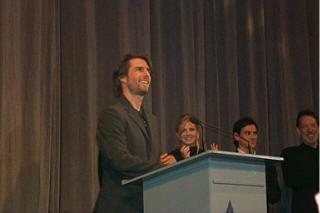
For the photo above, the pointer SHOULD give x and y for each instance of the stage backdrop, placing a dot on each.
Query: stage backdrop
(217, 59)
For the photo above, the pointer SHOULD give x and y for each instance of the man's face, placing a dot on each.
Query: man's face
(308, 130)
(188, 134)
(138, 79)
(248, 134)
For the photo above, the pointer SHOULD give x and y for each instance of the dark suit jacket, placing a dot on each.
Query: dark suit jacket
(126, 151)
(178, 156)
(300, 170)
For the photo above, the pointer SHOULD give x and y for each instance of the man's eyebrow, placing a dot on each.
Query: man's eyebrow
(248, 131)
(141, 67)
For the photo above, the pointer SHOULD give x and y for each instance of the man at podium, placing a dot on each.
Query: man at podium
(127, 136)
(245, 134)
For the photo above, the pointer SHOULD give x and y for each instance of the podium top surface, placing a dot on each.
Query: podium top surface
(208, 154)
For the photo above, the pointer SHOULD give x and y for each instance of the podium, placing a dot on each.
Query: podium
(213, 181)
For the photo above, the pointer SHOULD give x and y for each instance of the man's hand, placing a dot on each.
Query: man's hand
(167, 159)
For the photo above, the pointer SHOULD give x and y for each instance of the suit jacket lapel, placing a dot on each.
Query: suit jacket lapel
(151, 124)
(137, 119)
(133, 114)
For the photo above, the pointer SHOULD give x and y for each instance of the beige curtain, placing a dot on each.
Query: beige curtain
(218, 59)
(30, 106)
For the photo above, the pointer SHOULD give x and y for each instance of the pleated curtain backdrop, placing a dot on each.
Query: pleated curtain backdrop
(217, 59)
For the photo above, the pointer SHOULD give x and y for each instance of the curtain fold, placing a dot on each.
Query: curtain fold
(217, 59)
(30, 106)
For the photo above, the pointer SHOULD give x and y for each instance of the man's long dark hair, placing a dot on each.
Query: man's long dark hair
(123, 70)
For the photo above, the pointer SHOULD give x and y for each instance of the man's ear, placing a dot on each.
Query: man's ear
(298, 131)
(236, 136)
(123, 79)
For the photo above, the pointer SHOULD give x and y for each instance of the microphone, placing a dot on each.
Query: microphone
(220, 131)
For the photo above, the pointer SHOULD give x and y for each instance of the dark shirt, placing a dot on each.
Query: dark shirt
(178, 156)
(301, 173)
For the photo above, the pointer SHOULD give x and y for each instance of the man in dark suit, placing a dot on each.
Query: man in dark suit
(245, 134)
(128, 139)
(301, 164)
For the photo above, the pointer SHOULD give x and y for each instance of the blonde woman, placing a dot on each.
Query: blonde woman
(189, 135)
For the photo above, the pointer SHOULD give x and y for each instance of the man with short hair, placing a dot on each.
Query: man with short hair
(128, 139)
(245, 135)
(301, 164)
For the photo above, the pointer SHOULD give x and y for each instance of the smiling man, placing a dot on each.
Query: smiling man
(127, 137)
(245, 135)
(301, 164)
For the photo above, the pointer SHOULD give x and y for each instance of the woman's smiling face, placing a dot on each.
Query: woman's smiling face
(188, 134)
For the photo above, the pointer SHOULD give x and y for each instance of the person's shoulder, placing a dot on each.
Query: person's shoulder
(290, 150)
(148, 111)
(116, 110)
(151, 115)
(118, 106)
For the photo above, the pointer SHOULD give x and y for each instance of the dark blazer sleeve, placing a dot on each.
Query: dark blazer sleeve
(123, 145)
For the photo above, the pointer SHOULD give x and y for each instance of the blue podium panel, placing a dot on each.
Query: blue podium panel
(183, 190)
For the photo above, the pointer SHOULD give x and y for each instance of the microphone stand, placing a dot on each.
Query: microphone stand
(220, 131)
